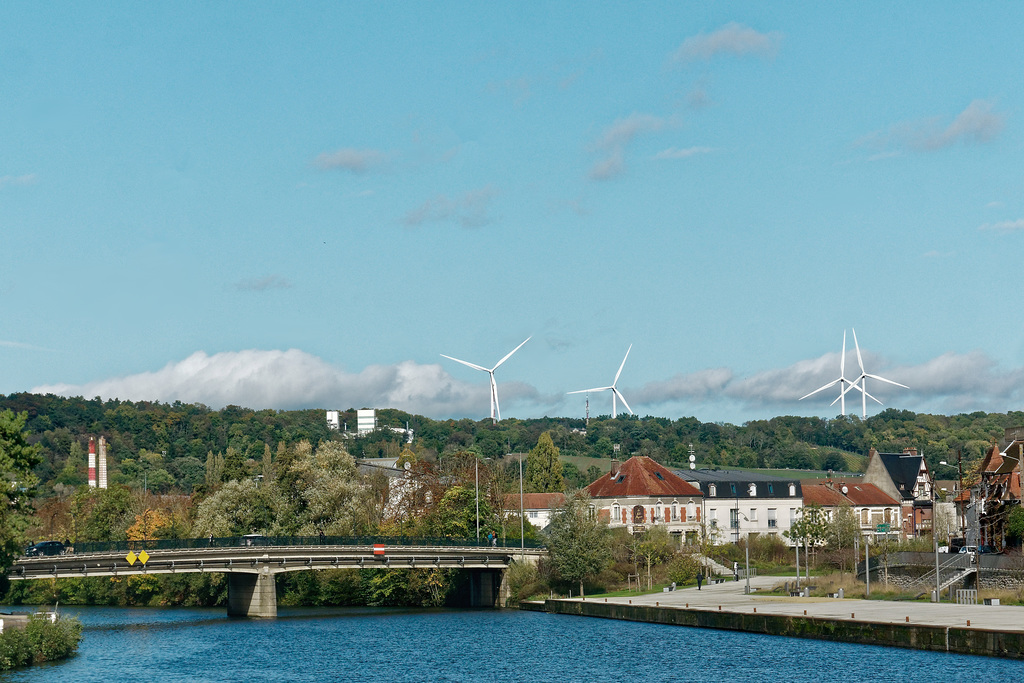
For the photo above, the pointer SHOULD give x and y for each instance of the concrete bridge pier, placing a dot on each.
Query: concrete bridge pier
(252, 595)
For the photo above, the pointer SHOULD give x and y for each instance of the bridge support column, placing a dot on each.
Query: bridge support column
(252, 595)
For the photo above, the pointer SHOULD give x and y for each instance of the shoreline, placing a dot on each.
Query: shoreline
(990, 631)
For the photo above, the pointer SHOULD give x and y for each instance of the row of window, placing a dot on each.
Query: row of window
(751, 490)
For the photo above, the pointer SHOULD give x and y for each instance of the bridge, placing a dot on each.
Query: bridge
(251, 562)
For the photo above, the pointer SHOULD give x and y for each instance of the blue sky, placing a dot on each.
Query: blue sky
(304, 205)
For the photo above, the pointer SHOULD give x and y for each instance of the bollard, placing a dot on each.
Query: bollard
(657, 604)
(631, 602)
(968, 622)
(719, 608)
(851, 615)
(908, 620)
(606, 599)
(755, 610)
(687, 605)
(805, 613)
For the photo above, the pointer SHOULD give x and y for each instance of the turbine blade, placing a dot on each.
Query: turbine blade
(587, 391)
(832, 383)
(623, 398)
(873, 398)
(509, 354)
(842, 359)
(860, 361)
(882, 379)
(472, 365)
(616, 380)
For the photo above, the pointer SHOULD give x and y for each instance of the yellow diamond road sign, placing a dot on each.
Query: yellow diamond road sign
(131, 557)
(144, 557)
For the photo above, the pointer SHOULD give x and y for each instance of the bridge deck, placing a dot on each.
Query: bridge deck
(266, 560)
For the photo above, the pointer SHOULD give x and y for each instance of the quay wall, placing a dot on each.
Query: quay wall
(960, 640)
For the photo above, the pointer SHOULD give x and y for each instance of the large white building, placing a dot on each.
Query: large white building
(739, 504)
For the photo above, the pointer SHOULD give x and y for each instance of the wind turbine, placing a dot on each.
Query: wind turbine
(841, 381)
(495, 410)
(615, 392)
(863, 379)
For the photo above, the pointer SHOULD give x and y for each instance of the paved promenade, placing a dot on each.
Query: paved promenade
(730, 597)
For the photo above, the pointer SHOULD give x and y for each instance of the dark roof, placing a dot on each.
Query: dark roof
(903, 469)
(641, 476)
(765, 485)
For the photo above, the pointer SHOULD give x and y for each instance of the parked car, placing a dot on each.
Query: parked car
(45, 548)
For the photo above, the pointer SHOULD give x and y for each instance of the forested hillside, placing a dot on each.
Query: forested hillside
(190, 447)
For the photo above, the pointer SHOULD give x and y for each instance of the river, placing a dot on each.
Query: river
(352, 644)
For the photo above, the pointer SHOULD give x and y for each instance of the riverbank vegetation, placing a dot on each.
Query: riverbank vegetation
(41, 640)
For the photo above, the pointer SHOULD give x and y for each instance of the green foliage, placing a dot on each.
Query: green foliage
(523, 582)
(577, 541)
(40, 641)
(101, 514)
(455, 515)
(1015, 523)
(17, 484)
(683, 568)
(543, 468)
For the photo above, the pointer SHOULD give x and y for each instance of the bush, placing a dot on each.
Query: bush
(683, 569)
(40, 641)
(523, 582)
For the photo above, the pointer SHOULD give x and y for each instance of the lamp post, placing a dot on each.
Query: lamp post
(522, 521)
(746, 572)
(476, 467)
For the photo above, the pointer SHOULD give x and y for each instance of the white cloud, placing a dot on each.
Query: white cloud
(293, 379)
(614, 140)
(675, 153)
(350, 159)
(949, 383)
(733, 38)
(1004, 226)
(470, 210)
(976, 124)
(17, 180)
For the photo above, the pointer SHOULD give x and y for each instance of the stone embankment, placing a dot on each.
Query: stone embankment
(996, 631)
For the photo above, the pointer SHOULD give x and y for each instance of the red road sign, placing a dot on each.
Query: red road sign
(378, 548)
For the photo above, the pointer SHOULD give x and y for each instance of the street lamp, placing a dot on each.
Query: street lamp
(747, 548)
(476, 467)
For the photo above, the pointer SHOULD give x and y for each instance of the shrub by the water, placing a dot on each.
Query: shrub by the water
(40, 641)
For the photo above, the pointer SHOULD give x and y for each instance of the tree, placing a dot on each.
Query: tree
(17, 458)
(577, 540)
(543, 468)
(811, 529)
(654, 546)
(842, 529)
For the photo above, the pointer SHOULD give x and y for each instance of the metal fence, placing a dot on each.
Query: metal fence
(291, 541)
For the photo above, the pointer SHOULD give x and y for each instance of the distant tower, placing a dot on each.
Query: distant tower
(333, 421)
(92, 461)
(103, 463)
(587, 421)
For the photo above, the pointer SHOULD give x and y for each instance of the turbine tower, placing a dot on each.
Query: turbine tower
(615, 392)
(863, 379)
(844, 384)
(495, 410)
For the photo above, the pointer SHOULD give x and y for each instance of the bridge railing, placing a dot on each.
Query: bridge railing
(258, 540)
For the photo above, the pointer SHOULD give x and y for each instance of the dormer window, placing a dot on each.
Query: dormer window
(792, 489)
(712, 490)
(753, 489)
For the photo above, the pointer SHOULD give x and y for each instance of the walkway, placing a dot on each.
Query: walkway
(730, 597)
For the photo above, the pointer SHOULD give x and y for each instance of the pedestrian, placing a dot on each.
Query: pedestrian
(322, 537)
(700, 579)
(211, 539)
(494, 540)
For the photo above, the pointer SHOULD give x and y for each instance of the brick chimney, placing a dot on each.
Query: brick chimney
(615, 468)
(910, 451)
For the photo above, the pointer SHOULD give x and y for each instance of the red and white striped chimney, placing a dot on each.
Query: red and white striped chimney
(92, 461)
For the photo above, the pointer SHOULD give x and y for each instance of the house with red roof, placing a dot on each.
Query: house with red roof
(537, 508)
(640, 493)
(987, 504)
(871, 505)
